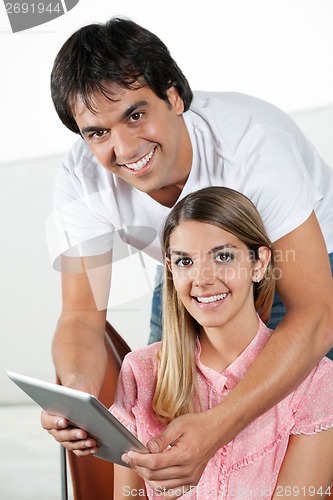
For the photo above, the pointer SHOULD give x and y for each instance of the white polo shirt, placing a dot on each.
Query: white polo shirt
(238, 141)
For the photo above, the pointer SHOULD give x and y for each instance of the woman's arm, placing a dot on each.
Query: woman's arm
(307, 469)
(299, 342)
(127, 484)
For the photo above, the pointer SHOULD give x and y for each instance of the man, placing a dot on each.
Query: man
(144, 145)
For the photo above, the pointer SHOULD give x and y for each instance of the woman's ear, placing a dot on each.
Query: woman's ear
(168, 264)
(261, 264)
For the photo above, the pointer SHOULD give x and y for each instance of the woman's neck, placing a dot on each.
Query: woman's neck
(221, 346)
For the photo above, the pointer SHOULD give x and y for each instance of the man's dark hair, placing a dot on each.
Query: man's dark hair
(98, 58)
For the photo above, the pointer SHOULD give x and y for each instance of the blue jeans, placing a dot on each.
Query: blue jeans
(156, 308)
(277, 313)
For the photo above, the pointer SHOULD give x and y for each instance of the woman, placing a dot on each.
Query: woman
(219, 286)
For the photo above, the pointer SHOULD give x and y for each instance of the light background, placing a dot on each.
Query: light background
(279, 50)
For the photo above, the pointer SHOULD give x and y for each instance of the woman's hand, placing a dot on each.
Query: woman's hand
(72, 438)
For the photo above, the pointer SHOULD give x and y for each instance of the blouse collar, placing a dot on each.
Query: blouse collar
(230, 377)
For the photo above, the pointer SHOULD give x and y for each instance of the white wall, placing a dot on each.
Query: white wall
(278, 50)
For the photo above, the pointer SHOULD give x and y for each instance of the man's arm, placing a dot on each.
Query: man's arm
(300, 341)
(78, 346)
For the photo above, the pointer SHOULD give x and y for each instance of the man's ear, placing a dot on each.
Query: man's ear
(175, 100)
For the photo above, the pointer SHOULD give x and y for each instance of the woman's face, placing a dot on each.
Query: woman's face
(213, 274)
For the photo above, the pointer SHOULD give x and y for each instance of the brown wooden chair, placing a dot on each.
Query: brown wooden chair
(92, 478)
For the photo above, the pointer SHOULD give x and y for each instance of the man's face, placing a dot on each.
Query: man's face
(139, 137)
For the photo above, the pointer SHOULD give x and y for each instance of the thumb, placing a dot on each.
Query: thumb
(167, 438)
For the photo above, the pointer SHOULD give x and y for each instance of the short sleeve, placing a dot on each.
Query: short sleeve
(279, 184)
(126, 397)
(313, 401)
(77, 227)
(263, 154)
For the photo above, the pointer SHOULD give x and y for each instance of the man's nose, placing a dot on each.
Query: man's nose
(124, 145)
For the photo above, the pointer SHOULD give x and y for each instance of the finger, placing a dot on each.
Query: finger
(166, 479)
(158, 468)
(68, 435)
(81, 448)
(171, 488)
(85, 453)
(52, 421)
(167, 438)
(154, 461)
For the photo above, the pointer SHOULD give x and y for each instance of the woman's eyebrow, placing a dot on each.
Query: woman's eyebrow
(178, 252)
(211, 251)
(222, 247)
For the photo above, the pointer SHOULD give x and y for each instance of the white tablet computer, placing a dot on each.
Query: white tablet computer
(84, 411)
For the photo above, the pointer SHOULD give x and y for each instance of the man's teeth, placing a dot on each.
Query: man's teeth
(141, 163)
(213, 298)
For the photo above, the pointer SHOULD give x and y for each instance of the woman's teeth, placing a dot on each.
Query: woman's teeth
(141, 163)
(213, 298)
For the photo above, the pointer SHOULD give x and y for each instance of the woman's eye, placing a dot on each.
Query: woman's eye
(224, 257)
(183, 262)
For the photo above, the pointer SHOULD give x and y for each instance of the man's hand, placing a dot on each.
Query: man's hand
(191, 442)
(72, 438)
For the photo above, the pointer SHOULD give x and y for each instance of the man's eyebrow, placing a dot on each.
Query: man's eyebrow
(88, 130)
(132, 108)
(125, 114)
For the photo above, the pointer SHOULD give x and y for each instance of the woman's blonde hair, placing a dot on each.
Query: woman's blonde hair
(222, 207)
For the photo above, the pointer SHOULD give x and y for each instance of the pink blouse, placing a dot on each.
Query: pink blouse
(248, 466)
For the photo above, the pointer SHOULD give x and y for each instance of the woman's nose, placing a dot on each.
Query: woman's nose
(204, 274)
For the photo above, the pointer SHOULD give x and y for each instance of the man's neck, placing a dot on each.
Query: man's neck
(168, 195)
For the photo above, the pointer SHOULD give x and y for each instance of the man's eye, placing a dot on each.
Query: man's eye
(183, 262)
(135, 117)
(99, 133)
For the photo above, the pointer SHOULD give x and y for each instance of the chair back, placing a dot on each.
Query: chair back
(92, 478)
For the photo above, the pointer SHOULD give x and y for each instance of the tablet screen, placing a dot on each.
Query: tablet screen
(84, 411)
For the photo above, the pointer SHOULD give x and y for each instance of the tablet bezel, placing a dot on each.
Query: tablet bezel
(84, 411)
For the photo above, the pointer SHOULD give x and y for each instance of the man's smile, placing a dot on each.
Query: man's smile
(141, 163)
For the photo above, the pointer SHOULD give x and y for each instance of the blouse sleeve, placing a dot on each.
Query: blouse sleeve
(313, 401)
(126, 397)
